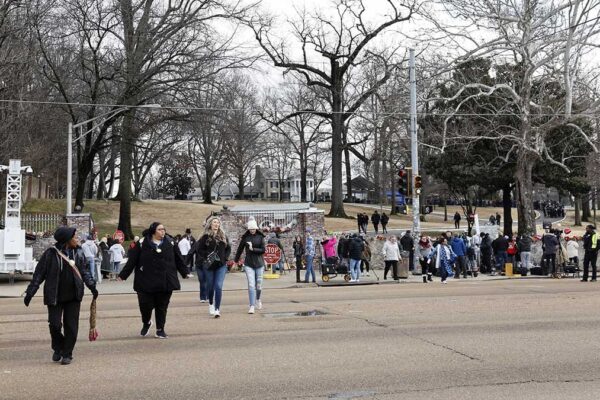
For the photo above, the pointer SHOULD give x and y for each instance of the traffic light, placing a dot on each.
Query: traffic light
(418, 184)
(403, 182)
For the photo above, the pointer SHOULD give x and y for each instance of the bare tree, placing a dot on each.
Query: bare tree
(342, 40)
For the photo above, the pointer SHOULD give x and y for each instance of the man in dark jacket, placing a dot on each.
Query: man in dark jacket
(375, 220)
(384, 221)
(590, 246)
(407, 244)
(524, 246)
(156, 260)
(64, 269)
(355, 251)
(486, 252)
(500, 246)
(550, 246)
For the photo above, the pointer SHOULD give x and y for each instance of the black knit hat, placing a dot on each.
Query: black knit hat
(64, 234)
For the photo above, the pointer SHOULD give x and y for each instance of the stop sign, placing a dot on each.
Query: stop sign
(272, 254)
(119, 236)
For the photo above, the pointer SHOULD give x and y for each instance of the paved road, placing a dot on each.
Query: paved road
(511, 339)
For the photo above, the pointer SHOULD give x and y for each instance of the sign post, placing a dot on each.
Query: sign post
(271, 256)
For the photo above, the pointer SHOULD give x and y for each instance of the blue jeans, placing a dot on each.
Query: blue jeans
(92, 264)
(116, 266)
(309, 269)
(202, 278)
(214, 283)
(501, 257)
(355, 268)
(255, 278)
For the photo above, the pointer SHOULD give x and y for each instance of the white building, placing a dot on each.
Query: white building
(267, 183)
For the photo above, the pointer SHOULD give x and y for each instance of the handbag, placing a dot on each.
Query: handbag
(211, 259)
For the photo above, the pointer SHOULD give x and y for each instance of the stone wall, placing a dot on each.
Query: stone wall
(84, 223)
(235, 224)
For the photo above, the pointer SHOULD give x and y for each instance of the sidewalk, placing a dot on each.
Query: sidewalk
(237, 281)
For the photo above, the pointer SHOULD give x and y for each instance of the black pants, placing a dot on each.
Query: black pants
(376, 227)
(66, 314)
(364, 264)
(589, 258)
(457, 224)
(384, 228)
(159, 302)
(460, 266)
(394, 266)
(486, 261)
(550, 260)
(425, 266)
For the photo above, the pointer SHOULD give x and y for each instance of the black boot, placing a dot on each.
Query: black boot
(424, 279)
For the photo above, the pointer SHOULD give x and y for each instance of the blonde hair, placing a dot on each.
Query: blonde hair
(220, 235)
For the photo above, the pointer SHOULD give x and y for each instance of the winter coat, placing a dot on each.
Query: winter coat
(458, 246)
(254, 257)
(572, 249)
(206, 245)
(384, 219)
(375, 219)
(486, 244)
(310, 246)
(155, 266)
(342, 247)
(591, 242)
(407, 242)
(89, 249)
(298, 249)
(549, 244)
(524, 243)
(48, 270)
(329, 247)
(425, 249)
(117, 252)
(500, 244)
(390, 251)
(366, 254)
(355, 248)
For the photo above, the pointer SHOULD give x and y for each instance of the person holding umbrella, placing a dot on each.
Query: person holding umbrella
(64, 270)
(156, 260)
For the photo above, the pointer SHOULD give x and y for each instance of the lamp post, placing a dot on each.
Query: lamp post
(100, 118)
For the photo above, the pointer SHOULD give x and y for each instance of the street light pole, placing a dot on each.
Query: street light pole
(414, 153)
(70, 170)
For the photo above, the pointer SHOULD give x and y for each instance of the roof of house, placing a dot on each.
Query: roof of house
(362, 183)
(272, 207)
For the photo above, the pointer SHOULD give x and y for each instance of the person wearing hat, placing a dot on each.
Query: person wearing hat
(590, 246)
(253, 244)
(156, 260)
(64, 270)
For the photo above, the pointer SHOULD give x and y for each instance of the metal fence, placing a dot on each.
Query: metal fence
(271, 219)
(39, 222)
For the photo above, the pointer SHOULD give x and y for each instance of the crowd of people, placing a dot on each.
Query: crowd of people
(550, 208)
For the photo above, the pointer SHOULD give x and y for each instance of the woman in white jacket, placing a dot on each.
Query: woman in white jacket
(391, 256)
(573, 251)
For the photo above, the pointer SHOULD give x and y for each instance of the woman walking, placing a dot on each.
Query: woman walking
(253, 243)
(213, 252)
(391, 256)
(156, 260)
(117, 252)
(309, 252)
(63, 269)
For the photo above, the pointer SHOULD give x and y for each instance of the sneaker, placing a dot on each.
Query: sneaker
(217, 314)
(352, 280)
(66, 360)
(444, 282)
(357, 281)
(368, 274)
(259, 304)
(56, 356)
(145, 329)
(211, 309)
(251, 310)
(161, 334)
(203, 301)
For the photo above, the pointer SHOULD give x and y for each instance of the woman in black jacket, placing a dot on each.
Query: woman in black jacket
(64, 269)
(156, 260)
(253, 242)
(212, 251)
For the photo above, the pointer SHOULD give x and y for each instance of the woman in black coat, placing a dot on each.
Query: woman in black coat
(64, 270)
(213, 250)
(156, 260)
(253, 243)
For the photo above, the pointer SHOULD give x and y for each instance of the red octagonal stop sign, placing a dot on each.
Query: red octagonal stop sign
(272, 254)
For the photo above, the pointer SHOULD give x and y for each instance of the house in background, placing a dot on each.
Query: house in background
(266, 182)
(227, 191)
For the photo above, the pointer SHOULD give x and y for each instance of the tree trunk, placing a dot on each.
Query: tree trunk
(348, 174)
(586, 211)
(240, 185)
(337, 127)
(127, 143)
(524, 186)
(577, 210)
(445, 210)
(101, 177)
(378, 177)
(83, 172)
(507, 206)
(207, 189)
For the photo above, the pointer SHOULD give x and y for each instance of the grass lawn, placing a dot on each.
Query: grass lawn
(179, 215)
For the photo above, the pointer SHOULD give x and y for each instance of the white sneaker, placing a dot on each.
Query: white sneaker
(357, 281)
(217, 314)
(251, 310)
(352, 280)
(259, 304)
(211, 309)
(368, 274)
(203, 301)
(444, 282)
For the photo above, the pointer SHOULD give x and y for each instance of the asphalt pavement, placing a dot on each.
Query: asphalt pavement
(485, 339)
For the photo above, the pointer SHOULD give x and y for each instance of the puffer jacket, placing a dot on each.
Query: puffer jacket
(155, 271)
(254, 257)
(355, 248)
(48, 270)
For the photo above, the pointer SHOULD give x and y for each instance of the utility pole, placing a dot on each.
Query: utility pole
(414, 155)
